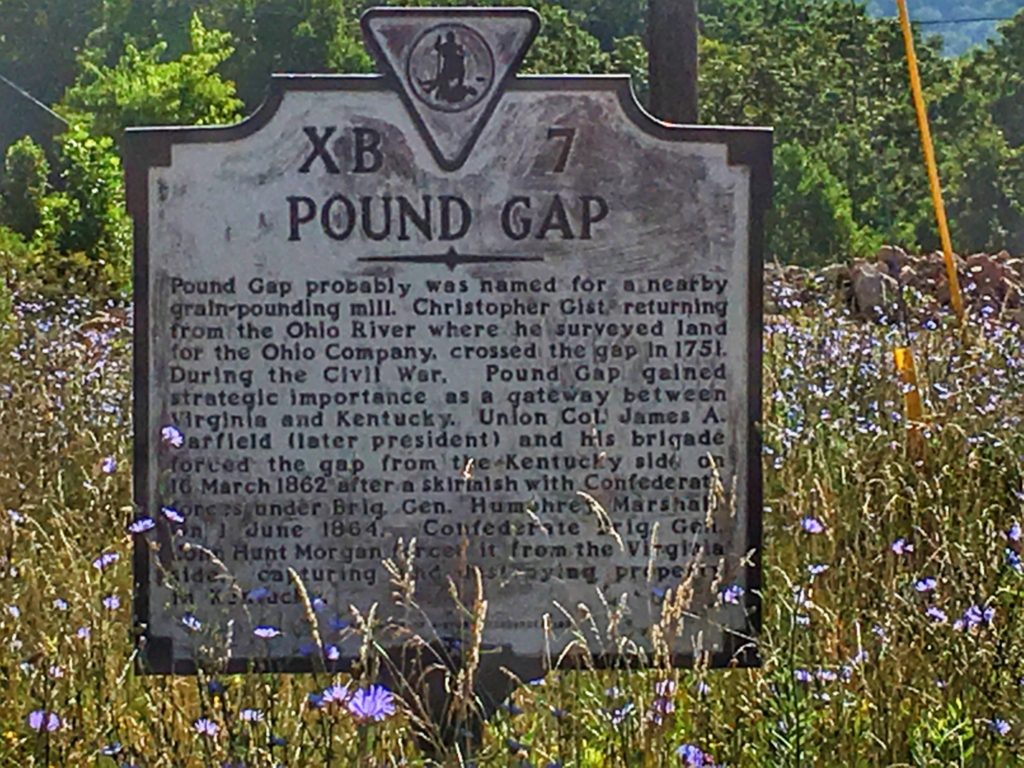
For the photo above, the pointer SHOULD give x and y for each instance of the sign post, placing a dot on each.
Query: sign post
(458, 318)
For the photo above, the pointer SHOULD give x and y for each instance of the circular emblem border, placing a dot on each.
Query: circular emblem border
(414, 85)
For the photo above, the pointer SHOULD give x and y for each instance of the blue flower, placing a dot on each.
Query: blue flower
(1000, 726)
(41, 720)
(251, 715)
(141, 525)
(373, 703)
(973, 617)
(901, 547)
(111, 749)
(172, 436)
(812, 525)
(267, 632)
(817, 569)
(927, 584)
(621, 714)
(191, 622)
(732, 594)
(693, 756)
(336, 694)
(936, 614)
(109, 465)
(105, 560)
(1015, 533)
(1014, 561)
(204, 726)
(172, 514)
(111, 602)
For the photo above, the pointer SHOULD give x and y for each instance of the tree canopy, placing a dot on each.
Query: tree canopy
(828, 75)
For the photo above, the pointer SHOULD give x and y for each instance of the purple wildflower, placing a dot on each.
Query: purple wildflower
(191, 622)
(817, 569)
(172, 436)
(251, 715)
(812, 525)
(111, 602)
(41, 720)
(373, 703)
(204, 726)
(999, 726)
(1015, 533)
(927, 584)
(973, 617)
(620, 714)
(937, 615)
(1014, 561)
(732, 594)
(141, 525)
(693, 756)
(267, 632)
(109, 465)
(901, 547)
(105, 560)
(172, 514)
(60, 604)
(336, 694)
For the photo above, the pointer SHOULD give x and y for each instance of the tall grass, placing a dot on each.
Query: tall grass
(893, 630)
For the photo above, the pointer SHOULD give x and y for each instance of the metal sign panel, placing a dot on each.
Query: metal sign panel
(497, 322)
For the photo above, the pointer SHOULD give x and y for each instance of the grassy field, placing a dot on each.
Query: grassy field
(893, 630)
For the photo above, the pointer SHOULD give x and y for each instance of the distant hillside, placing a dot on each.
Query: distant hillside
(958, 37)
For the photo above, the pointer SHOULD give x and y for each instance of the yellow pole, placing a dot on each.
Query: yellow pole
(914, 411)
(929, 159)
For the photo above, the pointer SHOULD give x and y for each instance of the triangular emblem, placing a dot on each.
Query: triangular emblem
(451, 67)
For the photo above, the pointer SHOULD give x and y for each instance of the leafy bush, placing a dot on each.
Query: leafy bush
(813, 218)
(24, 184)
(141, 89)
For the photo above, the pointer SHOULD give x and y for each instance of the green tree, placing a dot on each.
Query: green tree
(813, 219)
(40, 41)
(143, 89)
(23, 187)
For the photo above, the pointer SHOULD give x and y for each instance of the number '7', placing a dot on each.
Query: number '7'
(567, 135)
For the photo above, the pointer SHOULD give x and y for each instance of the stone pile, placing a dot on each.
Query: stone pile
(878, 289)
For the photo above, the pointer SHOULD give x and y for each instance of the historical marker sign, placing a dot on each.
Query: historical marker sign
(494, 315)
